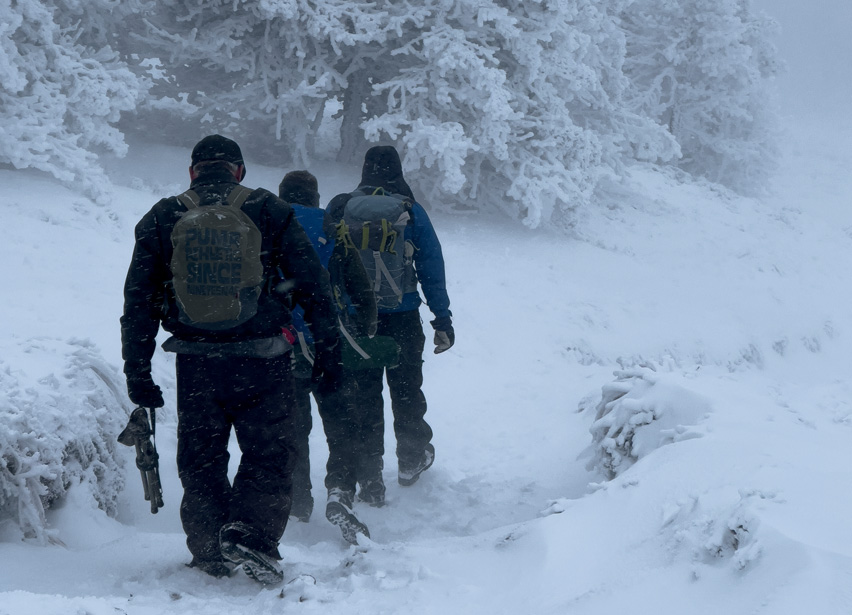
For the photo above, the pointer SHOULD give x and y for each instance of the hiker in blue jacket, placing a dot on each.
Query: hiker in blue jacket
(356, 304)
(415, 453)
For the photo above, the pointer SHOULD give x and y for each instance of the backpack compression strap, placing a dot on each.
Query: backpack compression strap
(382, 269)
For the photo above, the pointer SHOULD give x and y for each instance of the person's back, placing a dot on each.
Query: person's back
(357, 307)
(415, 453)
(229, 374)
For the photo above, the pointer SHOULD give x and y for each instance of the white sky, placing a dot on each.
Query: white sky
(815, 43)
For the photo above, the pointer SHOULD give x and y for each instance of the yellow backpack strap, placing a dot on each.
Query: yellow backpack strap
(189, 199)
(343, 237)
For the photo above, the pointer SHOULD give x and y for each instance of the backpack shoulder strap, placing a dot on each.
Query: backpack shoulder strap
(238, 195)
(189, 199)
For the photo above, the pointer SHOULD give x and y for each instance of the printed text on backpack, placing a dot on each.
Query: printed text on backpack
(216, 266)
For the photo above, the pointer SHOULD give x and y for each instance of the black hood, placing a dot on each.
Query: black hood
(382, 167)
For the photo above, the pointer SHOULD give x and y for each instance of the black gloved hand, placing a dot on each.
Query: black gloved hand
(327, 374)
(143, 392)
(445, 337)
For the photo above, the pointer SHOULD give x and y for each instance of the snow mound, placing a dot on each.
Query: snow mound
(638, 413)
(715, 531)
(57, 432)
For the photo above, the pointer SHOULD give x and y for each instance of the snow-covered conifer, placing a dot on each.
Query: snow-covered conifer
(702, 68)
(59, 435)
(512, 105)
(63, 88)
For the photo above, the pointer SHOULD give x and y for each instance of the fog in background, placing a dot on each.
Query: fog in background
(815, 42)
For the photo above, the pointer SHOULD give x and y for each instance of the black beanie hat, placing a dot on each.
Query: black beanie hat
(216, 147)
(299, 187)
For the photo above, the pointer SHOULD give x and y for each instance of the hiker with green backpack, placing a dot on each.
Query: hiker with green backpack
(401, 252)
(205, 267)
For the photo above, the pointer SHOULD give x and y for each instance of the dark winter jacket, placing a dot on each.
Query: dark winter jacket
(149, 299)
(383, 168)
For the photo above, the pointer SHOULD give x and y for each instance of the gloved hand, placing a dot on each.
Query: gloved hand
(327, 373)
(143, 392)
(445, 337)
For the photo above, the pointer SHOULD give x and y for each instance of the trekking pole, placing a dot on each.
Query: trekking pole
(139, 433)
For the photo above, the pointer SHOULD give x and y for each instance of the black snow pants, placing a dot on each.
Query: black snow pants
(408, 402)
(255, 397)
(342, 437)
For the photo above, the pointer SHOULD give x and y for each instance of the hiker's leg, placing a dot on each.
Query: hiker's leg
(405, 383)
(303, 502)
(202, 457)
(340, 435)
(261, 405)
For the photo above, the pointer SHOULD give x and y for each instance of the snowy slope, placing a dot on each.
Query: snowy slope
(652, 414)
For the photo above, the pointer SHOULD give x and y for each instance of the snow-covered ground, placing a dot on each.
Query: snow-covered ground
(651, 415)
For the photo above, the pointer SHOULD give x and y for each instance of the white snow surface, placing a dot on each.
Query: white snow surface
(651, 416)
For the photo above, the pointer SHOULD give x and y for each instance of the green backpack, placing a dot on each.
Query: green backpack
(216, 267)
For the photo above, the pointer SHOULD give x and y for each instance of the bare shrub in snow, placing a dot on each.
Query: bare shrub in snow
(60, 432)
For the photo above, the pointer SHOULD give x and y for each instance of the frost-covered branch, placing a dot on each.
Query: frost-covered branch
(60, 434)
(63, 89)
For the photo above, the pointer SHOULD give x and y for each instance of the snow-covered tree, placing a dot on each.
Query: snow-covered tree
(514, 105)
(63, 87)
(519, 106)
(264, 70)
(703, 68)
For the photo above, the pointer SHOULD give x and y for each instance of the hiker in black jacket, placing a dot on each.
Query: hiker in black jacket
(231, 377)
(382, 172)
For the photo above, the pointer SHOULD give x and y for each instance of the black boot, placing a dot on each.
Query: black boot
(241, 546)
(338, 511)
